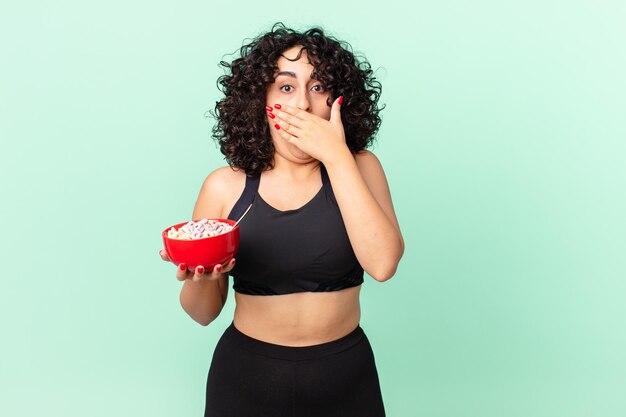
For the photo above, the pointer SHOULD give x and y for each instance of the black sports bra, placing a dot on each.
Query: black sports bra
(282, 252)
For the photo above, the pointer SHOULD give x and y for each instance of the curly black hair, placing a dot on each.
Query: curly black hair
(242, 131)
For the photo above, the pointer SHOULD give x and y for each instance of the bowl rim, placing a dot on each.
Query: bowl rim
(177, 225)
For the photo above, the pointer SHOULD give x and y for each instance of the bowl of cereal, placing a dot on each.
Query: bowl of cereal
(205, 242)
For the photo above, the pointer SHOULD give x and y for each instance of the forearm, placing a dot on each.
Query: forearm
(375, 241)
(202, 300)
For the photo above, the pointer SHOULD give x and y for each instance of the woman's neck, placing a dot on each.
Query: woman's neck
(293, 171)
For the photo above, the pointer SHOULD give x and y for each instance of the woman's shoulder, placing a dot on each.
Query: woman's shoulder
(224, 184)
(372, 171)
(227, 180)
(367, 161)
(224, 178)
(364, 154)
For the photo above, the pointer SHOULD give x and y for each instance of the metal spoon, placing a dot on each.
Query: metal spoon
(246, 212)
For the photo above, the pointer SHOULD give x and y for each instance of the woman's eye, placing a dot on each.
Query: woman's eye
(318, 87)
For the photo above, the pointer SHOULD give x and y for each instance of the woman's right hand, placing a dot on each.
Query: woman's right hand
(183, 273)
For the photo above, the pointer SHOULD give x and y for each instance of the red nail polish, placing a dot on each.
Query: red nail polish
(277, 106)
(182, 267)
(340, 100)
(218, 268)
(200, 270)
(268, 108)
(277, 127)
(232, 262)
(271, 115)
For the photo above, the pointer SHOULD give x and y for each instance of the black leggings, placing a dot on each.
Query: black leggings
(252, 378)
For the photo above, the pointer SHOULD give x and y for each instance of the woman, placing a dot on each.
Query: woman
(297, 114)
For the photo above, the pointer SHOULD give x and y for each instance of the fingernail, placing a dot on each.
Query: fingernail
(277, 106)
(200, 270)
(268, 108)
(232, 262)
(271, 115)
(277, 127)
(182, 267)
(340, 100)
(218, 268)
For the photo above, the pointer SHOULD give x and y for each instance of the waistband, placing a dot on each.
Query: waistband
(292, 353)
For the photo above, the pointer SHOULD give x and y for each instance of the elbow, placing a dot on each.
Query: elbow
(203, 320)
(201, 316)
(203, 323)
(388, 270)
(385, 274)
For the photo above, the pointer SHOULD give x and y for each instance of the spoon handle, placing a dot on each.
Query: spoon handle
(246, 212)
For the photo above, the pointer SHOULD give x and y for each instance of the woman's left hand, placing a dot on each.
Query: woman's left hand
(318, 137)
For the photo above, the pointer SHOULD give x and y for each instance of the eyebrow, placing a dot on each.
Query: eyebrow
(288, 74)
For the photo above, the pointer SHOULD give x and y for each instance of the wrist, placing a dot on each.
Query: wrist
(338, 158)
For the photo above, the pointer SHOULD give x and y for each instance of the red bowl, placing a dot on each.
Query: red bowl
(207, 251)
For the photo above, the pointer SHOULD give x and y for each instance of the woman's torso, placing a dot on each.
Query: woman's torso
(299, 319)
(296, 319)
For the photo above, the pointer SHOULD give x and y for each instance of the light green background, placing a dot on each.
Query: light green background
(502, 141)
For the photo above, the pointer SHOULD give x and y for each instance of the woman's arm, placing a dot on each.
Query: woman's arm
(363, 196)
(358, 182)
(204, 300)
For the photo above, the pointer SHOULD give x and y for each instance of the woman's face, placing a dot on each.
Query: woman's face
(293, 86)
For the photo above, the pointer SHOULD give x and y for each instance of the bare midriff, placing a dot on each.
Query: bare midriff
(298, 319)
